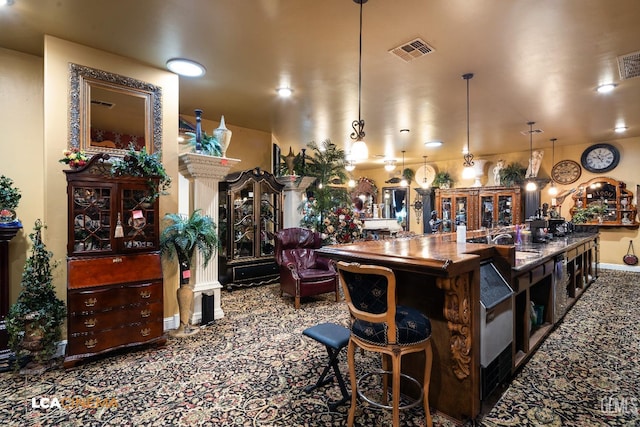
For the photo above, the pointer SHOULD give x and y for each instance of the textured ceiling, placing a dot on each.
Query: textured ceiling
(533, 61)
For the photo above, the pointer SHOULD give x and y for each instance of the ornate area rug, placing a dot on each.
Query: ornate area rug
(250, 368)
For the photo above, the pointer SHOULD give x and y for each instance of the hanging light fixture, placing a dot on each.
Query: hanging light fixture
(531, 183)
(350, 166)
(468, 172)
(389, 165)
(403, 182)
(359, 150)
(553, 190)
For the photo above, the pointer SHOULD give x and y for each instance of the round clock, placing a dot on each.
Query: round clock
(600, 158)
(566, 172)
(425, 175)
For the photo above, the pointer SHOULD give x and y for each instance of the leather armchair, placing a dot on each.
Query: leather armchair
(303, 272)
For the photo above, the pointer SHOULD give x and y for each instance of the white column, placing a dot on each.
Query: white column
(294, 188)
(204, 173)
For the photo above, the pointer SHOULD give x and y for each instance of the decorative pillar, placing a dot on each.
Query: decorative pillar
(7, 232)
(294, 188)
(204, 173)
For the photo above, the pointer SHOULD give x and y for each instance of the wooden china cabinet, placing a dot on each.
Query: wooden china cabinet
(477, 207)
(250, 216)
(114, 283)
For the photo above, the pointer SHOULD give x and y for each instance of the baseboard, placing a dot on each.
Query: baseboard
(620, 267)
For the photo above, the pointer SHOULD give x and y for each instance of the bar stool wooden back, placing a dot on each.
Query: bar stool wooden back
(379, 325)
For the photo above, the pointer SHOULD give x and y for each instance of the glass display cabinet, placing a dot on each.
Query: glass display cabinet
(114, 273)
(500, 206)
(457, 207)
(250, 215)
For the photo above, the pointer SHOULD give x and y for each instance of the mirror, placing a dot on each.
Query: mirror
(395, 203)
(363, 197)
(109, 112)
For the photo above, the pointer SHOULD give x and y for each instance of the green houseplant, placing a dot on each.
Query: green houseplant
(34, 321)
(512, 174)
(182, 236)
(588, 214)
(9, 199)
(443, 179)
(141, 163)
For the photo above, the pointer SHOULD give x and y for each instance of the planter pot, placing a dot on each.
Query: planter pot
(7, 215)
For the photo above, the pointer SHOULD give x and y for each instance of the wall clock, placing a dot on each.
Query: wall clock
(425, 176)
(600, 158)
(566, 172)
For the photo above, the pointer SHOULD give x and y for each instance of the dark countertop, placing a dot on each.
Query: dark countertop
(531, 254)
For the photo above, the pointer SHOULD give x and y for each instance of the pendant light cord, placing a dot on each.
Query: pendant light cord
(360, 69)
(468, 157)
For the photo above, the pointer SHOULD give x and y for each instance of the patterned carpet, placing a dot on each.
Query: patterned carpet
(249, 369)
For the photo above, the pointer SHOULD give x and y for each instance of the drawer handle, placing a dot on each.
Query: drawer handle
(90, 302)
(145, 313)
(91, 343)
(90, 323)
(117, 259)
(145, 294)
(145, 332)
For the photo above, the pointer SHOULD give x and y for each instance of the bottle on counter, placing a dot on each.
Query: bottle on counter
(461, 233)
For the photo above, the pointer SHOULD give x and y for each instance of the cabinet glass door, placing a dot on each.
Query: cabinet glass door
(446, 214)
(243, 225)
(486, 211)
(505, 210)
(138, 218)
(461, 211)
(91, 213)
(268, 219)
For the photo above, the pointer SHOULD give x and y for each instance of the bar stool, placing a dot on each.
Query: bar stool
(335, 338)
(380, 326)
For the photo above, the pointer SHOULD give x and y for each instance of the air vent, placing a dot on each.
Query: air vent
(526, 132)
(412, 50)
(103, 103)
(629, 65)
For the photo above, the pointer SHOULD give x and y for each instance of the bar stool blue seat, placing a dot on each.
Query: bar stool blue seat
(335, 338)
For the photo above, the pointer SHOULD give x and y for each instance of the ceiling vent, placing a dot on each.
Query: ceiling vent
(526, 132)
(412, 50)
(629, 65)
(104, 104)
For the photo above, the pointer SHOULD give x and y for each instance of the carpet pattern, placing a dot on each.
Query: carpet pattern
(249, 369)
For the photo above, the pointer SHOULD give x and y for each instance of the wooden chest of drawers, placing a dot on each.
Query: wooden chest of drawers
(113, 302)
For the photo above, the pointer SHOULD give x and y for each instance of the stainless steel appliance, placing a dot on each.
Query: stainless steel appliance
(496, 328)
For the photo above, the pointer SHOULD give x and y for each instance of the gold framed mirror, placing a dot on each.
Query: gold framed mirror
(109, 112)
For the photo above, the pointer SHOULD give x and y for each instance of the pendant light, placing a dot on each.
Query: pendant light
(389, 165)
(468, 172)
(350, 166)
(403, 182)
(531, 183)
(359, 150)
(553, 190)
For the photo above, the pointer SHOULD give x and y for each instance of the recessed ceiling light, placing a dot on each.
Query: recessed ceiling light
(6, 2)
(432, 144)
(186, 67)
(606, 88)
(404, 131)
(284, 92)
(620, 129)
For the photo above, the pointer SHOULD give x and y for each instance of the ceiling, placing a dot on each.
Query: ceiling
(533, 61)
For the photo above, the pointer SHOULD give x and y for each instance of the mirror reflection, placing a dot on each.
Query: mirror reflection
(395, 202)
(109, 112)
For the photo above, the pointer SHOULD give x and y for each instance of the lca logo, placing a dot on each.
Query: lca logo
(72, 402)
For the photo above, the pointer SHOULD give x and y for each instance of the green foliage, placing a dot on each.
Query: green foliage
(408, 174)
(141, 163)
(210, 144)
(299, 166)
(442, 177)
(512, 174)
(183, 235)
(590, 213)
(38, 311)
(326, 164)
(9, 194)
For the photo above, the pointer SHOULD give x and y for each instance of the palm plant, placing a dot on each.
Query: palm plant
(183, 235)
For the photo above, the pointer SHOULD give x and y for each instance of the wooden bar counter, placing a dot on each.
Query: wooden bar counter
(442, 280)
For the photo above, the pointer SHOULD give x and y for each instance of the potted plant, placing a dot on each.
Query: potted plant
(209, 144)
(182, 236)
(512, 174)
(74, 157)
(34, 321)
(9, 199)
(443, 180)
(141, 163)
(590, 213)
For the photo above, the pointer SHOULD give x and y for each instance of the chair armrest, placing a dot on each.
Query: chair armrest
(325, 264)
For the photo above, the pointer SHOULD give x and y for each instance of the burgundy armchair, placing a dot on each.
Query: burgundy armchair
(303, 272)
